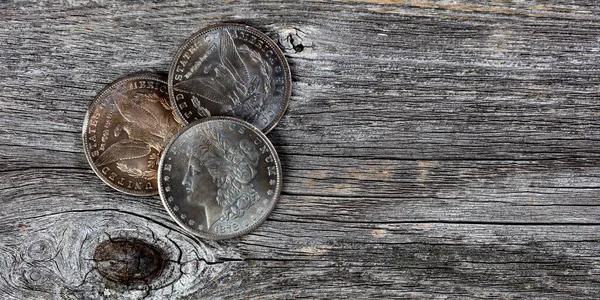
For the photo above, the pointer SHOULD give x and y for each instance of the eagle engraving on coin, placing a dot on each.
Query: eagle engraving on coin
(128, 125)
(147, 124)
(230, 70)
(219, 177)
(226, 81)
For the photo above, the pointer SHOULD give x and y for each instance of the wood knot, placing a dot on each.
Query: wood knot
(40, 250)
(36, 276)
(129, 261)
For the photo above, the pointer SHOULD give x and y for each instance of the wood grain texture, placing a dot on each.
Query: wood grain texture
(431, 150)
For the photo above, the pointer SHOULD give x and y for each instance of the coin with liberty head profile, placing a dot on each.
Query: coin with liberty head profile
(127, 126)
(219, 178)
(230, 70)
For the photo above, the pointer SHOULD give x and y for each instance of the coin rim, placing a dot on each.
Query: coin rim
(92, 106)
(259, 34)
(250, 228)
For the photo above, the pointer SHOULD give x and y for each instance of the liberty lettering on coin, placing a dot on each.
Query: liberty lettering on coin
(125, 131)
(230, 70)
(219, 178)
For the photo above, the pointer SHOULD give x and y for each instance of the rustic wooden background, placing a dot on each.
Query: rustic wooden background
(430, 150)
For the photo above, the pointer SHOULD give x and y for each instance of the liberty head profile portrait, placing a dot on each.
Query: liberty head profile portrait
(219, 177)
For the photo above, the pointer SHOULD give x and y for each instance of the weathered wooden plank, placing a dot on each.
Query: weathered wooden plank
(489, 192)
(431, 150)
(49, 257)
(52, 257)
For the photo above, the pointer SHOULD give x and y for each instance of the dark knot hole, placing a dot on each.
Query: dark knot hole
(129, 260)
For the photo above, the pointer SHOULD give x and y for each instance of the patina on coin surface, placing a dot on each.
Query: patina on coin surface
(219, 178)
(230, 70)
(125, 131)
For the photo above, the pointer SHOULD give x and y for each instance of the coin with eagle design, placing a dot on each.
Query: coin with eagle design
(127, 126)
(230, 70)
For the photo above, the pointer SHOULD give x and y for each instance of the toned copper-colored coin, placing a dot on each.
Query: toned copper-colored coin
(219, 178)
(125, 131)
(230, 70)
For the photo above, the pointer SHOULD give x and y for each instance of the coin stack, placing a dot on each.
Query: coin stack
(197, 138)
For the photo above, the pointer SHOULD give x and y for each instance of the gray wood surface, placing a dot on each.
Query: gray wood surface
(431, 150)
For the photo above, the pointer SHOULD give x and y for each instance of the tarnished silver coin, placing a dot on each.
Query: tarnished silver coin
(125, 131)
(230, 70)
(219, 178)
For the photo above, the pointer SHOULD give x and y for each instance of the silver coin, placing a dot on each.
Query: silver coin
(219, 177)
(230, 70)
(125, 131)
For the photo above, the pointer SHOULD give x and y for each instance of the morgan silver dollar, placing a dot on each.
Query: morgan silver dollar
(230, 70)
(125, 131)
(219, 178)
